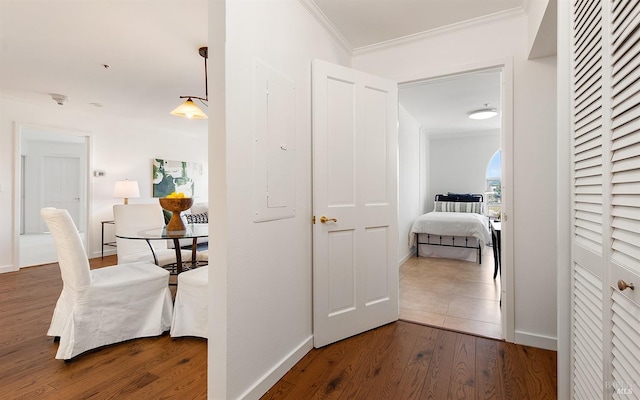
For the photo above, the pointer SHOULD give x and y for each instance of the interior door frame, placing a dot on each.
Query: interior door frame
(505, 66)
(19, 128)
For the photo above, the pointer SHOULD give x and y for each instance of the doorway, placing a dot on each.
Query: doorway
(454, 154)
(53, 172)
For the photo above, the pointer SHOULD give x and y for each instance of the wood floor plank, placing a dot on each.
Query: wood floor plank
(279, 391)
(461, 392)
(513, 373)
(394, 360)
(328, 374)
(354, 391)
(488, 375)
(541, 376)
(436, 384)
(464, 361)
(80, 382)
(412, 381)
(370, 367)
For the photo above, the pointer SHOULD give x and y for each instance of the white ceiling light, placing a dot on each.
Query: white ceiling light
(484, 113)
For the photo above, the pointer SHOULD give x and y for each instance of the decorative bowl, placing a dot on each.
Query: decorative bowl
(176, 206)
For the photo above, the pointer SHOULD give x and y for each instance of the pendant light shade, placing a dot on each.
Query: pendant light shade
(189, 109)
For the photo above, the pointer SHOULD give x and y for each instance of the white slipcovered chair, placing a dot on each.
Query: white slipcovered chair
(191, 305)
(138, 217)
(105, 305)
(203, 255)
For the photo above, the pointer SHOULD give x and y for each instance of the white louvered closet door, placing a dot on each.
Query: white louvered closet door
(625, 198)
(606, 199)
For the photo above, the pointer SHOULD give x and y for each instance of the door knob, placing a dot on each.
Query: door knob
(622, 285)
(324, 219)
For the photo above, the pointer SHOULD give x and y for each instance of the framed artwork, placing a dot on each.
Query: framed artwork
(175, 176)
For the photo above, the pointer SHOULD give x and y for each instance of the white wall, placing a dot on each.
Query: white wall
(409, 183)
(268, 264)
(459, 163)
(425, 170)
(542, 19)
(120, 147)
(534, 164)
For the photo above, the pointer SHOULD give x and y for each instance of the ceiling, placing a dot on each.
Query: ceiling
(151, 47)
(442, 106)
(367, 22)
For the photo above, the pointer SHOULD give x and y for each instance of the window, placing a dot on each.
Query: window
(493, 191)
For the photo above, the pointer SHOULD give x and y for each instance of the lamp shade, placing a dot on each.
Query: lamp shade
(189, 109)
(126, 189)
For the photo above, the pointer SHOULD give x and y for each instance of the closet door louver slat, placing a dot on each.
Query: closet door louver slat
(587, 197)
(625, 135)
(587, 119)
(587, 335)
(626, 347)
(624, 157)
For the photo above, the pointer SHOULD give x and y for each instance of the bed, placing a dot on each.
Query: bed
(456, 228)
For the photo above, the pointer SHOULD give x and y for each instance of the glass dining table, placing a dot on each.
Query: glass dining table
(192, 231)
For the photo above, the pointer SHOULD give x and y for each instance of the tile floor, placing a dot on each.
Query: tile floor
(453, 294)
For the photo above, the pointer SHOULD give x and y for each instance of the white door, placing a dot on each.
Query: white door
(355, 262)
(605, 326)
(61, 184)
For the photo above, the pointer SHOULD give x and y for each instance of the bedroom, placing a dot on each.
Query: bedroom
(443, 151)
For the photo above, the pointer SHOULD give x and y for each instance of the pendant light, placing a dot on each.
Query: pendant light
(189, 109)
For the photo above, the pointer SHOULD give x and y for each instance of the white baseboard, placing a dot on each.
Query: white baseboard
(412, 253)
(98, 254)
(262, 385)
(533, 340)
(8, 268)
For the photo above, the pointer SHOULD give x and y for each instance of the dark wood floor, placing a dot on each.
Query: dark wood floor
(396, 361)
(148, 368)
(409, 361)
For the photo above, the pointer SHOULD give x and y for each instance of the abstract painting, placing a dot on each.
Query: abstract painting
(175, 176)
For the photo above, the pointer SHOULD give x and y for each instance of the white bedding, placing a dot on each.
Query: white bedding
(452, 224)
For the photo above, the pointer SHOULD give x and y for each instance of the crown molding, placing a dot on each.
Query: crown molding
(324, 21)
(475, 22)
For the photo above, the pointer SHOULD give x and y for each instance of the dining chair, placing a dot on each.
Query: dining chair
(203, 255)
(138, 217)
(106, 305)
(191, 304)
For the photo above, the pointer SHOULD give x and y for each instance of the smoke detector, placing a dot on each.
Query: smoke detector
(59, 98)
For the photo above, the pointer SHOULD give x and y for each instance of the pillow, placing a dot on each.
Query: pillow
(463, 197)
(458, 206)
(201, 218)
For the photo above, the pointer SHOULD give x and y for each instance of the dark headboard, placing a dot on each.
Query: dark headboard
(460, 197)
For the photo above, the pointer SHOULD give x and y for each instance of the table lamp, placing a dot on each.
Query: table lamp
(126, 189)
